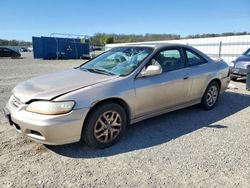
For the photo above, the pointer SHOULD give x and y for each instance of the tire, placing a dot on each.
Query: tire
(104, 121)
(210, 97)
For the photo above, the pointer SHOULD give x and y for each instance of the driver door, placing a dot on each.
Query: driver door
(170, 88)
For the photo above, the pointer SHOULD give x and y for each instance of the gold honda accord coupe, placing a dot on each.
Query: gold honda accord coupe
(127, 84)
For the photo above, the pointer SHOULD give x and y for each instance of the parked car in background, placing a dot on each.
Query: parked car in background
(96, 48)
(239, 66)
(124, 85)
(25, 49)
(6, 52)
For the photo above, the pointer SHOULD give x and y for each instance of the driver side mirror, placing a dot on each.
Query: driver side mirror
(151, 70)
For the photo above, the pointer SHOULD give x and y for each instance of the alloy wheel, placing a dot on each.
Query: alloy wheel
(108, 126)
(212, 95)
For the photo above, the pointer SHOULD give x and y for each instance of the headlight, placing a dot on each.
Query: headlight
(50, 107)
(231, 64)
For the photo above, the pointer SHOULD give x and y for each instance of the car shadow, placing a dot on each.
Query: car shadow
(13, 58)
(161, 129)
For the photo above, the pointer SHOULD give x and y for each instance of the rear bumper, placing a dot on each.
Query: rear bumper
(48, 129)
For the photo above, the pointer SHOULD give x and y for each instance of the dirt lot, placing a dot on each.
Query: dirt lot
(186, 148)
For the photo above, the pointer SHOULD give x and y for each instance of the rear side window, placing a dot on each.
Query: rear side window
(169, 60)
(193, 58)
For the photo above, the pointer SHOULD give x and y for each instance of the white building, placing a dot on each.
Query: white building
(228, 47)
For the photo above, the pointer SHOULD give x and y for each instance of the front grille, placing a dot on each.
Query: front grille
(35, 133)
(15, 102)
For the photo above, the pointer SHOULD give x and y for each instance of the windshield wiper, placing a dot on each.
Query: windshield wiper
(84, 69)
(103, 71)
(100, 71)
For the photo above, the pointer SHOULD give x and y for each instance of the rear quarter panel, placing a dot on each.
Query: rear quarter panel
(203, 74)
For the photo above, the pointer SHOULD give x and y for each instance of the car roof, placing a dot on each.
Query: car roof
(160, 46)
(153, 45)
(3, 47)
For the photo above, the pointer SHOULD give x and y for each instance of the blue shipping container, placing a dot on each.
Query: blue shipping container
(60, 48)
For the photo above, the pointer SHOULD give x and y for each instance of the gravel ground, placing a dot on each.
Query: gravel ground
(186, 148)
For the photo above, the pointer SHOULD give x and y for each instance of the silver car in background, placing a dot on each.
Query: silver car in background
(97, 100)
(239, 66)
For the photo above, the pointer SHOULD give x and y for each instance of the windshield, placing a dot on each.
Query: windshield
(247, 52)
(119, 61)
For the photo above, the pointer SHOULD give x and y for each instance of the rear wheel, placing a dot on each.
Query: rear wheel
(210, 96)
(104, 126)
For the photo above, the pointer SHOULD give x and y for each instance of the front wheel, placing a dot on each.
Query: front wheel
(210, 96)
(104, 126)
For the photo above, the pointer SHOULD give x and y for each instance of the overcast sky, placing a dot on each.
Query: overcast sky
(23, 19)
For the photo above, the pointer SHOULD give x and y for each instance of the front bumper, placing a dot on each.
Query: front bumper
(47, 129)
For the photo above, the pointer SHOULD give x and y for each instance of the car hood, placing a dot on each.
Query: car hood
(243, 58)
(52, 85)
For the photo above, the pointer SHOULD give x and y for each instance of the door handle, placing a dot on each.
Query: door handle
(185, 78)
